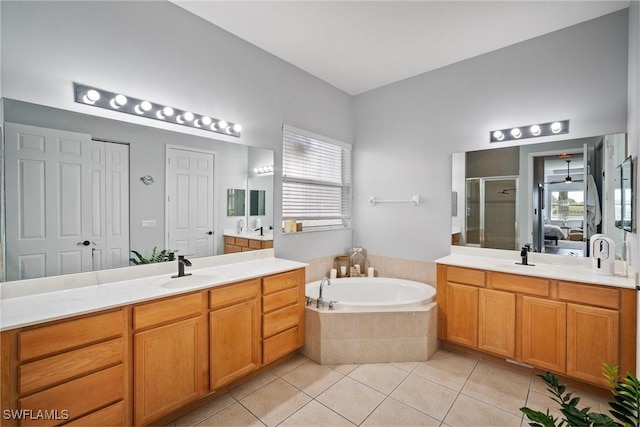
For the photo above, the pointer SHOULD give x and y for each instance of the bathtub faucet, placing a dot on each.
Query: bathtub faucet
(320, 301)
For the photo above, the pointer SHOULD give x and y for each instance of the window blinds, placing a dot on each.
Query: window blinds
(316, 186)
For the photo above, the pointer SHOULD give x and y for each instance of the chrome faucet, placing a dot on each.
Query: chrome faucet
(182, 262)
(320, 301)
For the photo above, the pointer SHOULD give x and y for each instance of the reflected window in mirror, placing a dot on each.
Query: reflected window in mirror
(257, 202)
(235, 202)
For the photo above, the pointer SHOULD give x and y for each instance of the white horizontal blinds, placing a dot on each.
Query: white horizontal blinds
(316, 186)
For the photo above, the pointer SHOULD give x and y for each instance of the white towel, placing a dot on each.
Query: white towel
(593, 207)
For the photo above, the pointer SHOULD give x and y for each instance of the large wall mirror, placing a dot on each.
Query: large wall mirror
(81, 192)
(553, 196)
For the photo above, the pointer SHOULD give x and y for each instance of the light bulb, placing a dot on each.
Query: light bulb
(188, 116)
(237, 128)
(221, 124)
(145, 105)
(498, 135)
(556, 127)
(180, 119)
(535, 130)
(167, 111)
(118, 101)
(515, 132)
(91, 96)
(206, 120)
(197, 123)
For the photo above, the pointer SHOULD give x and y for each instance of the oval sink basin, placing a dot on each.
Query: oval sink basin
(186, 281)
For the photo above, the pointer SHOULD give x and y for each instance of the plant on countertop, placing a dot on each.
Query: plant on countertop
(162, 256)
(625, 408)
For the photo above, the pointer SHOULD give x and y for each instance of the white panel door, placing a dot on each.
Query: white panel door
(48, 178)
(189, 210)
(110, 205)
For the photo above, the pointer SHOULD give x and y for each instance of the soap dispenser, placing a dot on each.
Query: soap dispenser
(603, 260)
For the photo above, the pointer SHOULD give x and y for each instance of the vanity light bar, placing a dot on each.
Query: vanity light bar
(89, 95)
(263, 170)
(530, 131)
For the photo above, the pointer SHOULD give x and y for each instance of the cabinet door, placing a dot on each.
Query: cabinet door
(592, 339)
(462, 318)
(497, 322)
(235, 342)
(169, 368)
(544, 332)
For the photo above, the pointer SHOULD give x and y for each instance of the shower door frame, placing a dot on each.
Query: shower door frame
(481, 235)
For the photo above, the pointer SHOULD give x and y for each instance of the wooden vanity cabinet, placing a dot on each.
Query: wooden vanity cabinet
(234, 332)
(72, 371)
(282, 314)
(169, 355)
(565, 327)
(242, 244)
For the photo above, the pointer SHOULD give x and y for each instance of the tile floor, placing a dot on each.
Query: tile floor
(448, 390)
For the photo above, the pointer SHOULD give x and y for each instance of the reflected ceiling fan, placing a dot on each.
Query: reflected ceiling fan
(568, 179)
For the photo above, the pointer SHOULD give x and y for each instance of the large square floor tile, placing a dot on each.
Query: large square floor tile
(380, 376)
(252, 385)
(351, 399)
(275, 402)
(448, 369)
(495, 391)
(315, 414)
(467, 411)
(394, 413)
(234, 415)
(312, 378)
(205, 411)
(426, 396)
(504, 373)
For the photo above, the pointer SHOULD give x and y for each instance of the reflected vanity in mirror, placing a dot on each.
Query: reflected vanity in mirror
(553, 196)
(73, 200)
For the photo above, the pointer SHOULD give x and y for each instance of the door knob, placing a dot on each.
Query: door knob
(85, 243)
(210, 233)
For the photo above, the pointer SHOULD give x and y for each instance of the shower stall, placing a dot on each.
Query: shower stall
(492, 212)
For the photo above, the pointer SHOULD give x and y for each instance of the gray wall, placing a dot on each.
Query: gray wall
(406, 132)
(158, 51)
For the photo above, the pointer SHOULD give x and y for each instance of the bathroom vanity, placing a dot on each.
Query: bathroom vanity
(242, 242)
(557, 317)
(134, 351)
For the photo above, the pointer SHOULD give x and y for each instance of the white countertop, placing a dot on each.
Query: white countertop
(574, 269)
(38, 307)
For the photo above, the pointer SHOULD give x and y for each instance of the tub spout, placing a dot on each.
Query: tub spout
(320, 301)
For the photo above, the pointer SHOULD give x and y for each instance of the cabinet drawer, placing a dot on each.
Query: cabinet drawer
(55, 369)
(267, 244)
(231, 249)
(280, 299)
(167, 310)
(255, 244)
(78, 397)
(279, 282)
(226, 295)
(242, 242)
(522, 284)
(113, 415)
(73, 333)
(228, 240)
(281, 344)
(594, 295)
(278, 321)
(466, 276)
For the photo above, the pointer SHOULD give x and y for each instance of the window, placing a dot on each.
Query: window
(316, 180)
(567, 205)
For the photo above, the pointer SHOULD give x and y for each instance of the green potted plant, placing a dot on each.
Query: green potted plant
(625, 408)
(162, 256)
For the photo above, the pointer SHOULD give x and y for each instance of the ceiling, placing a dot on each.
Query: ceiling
(357, 46)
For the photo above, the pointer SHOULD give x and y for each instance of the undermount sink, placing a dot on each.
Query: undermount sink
(186, 281)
